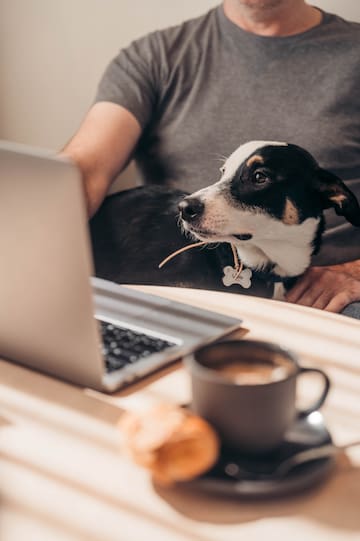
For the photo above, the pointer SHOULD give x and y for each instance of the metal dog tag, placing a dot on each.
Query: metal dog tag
(232, 276)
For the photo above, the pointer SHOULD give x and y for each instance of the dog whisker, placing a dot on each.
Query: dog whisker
(219, 157)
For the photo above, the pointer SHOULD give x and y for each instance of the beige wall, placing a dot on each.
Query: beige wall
(52, 53)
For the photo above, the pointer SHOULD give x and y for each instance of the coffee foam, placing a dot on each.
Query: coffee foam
(254, 372)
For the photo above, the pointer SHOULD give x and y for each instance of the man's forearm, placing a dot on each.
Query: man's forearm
(102, 147)
(95, 189)
(95, 182)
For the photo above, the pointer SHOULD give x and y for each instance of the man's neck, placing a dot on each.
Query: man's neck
(277, 18)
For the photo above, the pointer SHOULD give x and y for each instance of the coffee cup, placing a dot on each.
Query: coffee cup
(247, 390)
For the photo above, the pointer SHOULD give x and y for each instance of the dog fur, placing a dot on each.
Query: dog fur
(268, 203)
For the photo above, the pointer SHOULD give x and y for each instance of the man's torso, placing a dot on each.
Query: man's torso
(203, 88)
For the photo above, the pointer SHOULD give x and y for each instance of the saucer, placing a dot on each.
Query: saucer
(248, 475)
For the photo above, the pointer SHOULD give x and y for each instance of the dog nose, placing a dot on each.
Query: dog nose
(191, 208)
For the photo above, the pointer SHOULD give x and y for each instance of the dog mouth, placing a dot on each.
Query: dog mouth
(243, 236)
(202, 234)
(205, 234)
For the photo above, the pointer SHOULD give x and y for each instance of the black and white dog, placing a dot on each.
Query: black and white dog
(268, 204)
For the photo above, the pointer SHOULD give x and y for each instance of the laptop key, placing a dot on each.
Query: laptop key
(114, 363)
(122, 346)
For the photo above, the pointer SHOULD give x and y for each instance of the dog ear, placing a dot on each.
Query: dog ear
(334, 193)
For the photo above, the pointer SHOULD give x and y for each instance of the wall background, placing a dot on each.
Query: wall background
(53, 52)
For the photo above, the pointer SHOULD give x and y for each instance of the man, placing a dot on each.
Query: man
(180, 100)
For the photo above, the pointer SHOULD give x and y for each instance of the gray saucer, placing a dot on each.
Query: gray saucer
(249, 476)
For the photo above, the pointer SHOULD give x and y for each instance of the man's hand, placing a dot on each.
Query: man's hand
(328, 288)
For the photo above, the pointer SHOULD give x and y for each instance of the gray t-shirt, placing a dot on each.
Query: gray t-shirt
(202, 88)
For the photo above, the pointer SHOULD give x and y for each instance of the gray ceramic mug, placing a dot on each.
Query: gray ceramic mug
(250, 409)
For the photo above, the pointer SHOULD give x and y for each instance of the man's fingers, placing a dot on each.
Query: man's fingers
(322, 300)
(299, 289)
(310, 297)
(323, 288)
(338, 302)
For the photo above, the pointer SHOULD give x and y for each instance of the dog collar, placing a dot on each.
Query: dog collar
(269, 276)
(232, 267)
(231, 274)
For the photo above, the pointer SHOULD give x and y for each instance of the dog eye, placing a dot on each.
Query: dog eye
(222, 169)
(261, 177)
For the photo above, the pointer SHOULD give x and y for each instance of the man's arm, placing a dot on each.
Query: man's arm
(102, 147)
(329, 288)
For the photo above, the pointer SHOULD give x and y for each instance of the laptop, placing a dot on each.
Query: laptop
(55, 316)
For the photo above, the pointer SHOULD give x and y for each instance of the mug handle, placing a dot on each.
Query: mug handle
(319, 402)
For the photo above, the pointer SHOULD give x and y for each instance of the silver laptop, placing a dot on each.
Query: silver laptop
(53, 316)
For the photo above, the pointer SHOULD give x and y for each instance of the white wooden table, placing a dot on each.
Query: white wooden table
(63, 476)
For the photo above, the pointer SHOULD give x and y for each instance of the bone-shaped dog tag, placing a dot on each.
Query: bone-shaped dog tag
(231, 277)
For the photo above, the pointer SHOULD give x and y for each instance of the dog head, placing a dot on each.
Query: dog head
(269, 203)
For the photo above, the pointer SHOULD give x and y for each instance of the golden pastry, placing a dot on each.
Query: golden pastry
(173, 443)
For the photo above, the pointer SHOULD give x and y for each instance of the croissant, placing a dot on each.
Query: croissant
(174, 444)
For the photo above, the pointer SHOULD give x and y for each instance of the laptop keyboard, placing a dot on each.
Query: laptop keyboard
(122, 346)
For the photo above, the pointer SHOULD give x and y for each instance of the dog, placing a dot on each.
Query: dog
(265, 211)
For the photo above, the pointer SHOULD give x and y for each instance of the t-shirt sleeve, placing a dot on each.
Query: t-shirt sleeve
(132, 79)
